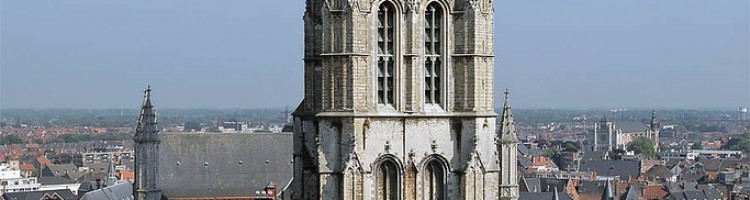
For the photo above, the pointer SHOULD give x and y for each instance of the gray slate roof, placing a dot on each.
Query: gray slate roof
(202, 165)
(591, 187)
(524, 162)
(58, 169)
(55, 180)
(631, 194)
(594, 155)
(542, 196)
(631, 127)
(708, 194)
(659, 171)
(531, 184)
(119, 191)
(36, 195)
(623, 168)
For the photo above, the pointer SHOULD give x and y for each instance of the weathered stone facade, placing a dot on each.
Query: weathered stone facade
(398, 102)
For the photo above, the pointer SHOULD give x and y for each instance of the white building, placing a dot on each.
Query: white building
(12, 181)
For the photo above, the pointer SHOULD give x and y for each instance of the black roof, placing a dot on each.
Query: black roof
(591, 187)
(542, 196)
(594, 155)
(625, 169)
(195, 165)
(694, 195)
(55, 180)
(36, 195)
(713, 194)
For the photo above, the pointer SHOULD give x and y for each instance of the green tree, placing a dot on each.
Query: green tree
(11, 139)
(743, 145)
(643, 147)
(550, 152)
(697, 145)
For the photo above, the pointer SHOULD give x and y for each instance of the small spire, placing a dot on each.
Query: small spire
(147, 96)
(508, 127)
(556, 196)
(111, 171)
(146, 131)
(608, 194)
(111, 178)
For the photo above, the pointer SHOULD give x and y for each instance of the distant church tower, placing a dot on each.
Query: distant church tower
(147, 152)
(654, 129)
(604, 134)
(399, 102)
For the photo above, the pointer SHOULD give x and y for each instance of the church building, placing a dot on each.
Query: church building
(399, 103)
(610, 135)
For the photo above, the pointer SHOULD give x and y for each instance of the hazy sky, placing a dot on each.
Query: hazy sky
(248, 53)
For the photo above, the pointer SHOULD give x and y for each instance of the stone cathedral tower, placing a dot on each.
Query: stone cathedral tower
(147, 152)
(399, 102)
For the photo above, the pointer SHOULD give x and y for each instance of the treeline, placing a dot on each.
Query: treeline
(11, 139)
(741, 143)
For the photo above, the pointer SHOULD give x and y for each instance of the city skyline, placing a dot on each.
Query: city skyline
(589, 54)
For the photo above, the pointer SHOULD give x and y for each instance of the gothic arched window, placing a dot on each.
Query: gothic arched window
(386, 52)
(433, 49)
(388, 181)
(434, 180)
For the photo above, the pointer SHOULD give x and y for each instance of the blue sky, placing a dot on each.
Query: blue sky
(248, 54)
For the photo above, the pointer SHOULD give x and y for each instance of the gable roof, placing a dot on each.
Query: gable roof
(659, 171)
(198, 165)
(26, 167)
(58, 169)
(631, 194)
(655, 192)
(119, 191)
(65, 194)
(711, 164)
(591, 187)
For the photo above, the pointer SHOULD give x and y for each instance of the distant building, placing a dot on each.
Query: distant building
(742, 113)
(603, 136)
(12, 181)
(233, 127)
(608, 135)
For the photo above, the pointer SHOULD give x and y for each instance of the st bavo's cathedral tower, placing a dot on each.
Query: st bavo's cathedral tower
(399, 103)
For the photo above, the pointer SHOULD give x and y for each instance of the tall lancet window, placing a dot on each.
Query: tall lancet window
(433, 64)
(388, 181)
(386, 52)
(434, 181)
